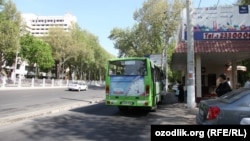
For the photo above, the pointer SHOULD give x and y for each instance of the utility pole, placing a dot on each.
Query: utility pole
(165, 53)
(166, 61)
(190, 58)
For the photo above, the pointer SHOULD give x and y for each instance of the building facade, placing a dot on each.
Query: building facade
(39, 25)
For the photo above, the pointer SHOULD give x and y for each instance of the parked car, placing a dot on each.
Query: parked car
(79, 86)
(231, 108)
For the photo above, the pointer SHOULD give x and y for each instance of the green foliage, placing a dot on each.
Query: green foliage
(156, 22)
(10, 20)
(78, 50)
(35, 50)
(244, 2)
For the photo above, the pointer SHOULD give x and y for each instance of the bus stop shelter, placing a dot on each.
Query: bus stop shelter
(221, 41)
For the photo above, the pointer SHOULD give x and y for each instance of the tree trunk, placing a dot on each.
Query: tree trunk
(58, 70)
(100, 74)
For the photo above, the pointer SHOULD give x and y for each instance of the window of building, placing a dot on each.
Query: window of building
(65, 24)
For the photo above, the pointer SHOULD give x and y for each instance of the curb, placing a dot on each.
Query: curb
(29, 88)
(44, 112)
(34, 88)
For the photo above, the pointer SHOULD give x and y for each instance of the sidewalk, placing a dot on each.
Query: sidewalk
(174, 113)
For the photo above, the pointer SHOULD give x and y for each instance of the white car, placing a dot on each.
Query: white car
(79, 86)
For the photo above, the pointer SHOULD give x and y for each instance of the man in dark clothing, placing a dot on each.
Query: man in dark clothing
(181, 92)
(223, 87)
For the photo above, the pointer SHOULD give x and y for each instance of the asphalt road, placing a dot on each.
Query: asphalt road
(14, 102)
(97, 122)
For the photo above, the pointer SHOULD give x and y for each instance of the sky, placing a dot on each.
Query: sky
(97, 16)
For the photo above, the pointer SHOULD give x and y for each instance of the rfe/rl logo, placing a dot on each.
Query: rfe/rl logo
(243, 9)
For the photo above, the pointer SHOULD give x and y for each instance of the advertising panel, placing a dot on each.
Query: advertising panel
(222, 23)
(127, 85)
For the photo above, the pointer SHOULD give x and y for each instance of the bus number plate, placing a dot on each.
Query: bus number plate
(127, 103)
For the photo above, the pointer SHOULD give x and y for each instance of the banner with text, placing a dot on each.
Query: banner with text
(211, 23)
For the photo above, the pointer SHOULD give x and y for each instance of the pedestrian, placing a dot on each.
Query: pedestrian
(247, 83)
(223, 86)
(181, 92)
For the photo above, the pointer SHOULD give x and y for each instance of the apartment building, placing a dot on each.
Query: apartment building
(39, 25)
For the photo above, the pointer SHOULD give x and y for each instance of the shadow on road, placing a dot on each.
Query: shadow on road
(100, 122)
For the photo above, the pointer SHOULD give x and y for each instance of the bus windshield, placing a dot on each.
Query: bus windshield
(127, 67)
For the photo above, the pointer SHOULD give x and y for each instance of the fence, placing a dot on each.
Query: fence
(33, 82)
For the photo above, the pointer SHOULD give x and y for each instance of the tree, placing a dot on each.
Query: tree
(244, 2)
(36, 51)
(62, 47)
(78, 50)
(156, 23)
(10, 20)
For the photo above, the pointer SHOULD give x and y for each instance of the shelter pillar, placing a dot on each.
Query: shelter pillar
(234, 75)
(198, 77)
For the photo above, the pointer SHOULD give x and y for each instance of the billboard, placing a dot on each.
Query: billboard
(127, 85)
(219, 23)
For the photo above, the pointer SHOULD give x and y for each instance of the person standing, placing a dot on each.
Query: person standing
(181, 92)
(223, 87)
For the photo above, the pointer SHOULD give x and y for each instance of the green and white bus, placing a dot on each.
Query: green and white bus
(133, 82)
